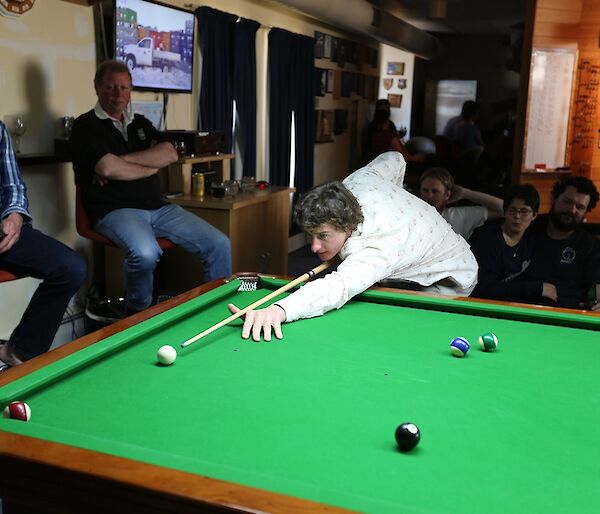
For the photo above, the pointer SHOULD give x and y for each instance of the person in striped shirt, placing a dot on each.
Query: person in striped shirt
(25, 251)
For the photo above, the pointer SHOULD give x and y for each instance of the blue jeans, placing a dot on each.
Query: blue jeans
(136, 230)
(62, 271)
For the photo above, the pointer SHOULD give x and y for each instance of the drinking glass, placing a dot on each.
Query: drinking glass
(18, 129)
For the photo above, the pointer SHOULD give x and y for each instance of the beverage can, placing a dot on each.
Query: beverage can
(198, 184)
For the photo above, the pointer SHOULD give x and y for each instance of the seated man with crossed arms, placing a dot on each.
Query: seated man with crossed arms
(116, 158)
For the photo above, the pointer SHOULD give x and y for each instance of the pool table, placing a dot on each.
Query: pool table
(307, 424)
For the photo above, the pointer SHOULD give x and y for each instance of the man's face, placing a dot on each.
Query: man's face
(434, 193)
(569, 209)
(114, 93)
(327, 241)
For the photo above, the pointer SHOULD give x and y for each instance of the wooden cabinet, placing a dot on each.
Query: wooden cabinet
(257, 223)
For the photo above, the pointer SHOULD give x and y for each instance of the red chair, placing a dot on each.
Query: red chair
(84, 227)
(7, 276)
(112, 281)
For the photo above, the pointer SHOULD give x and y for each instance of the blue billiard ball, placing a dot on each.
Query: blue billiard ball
(459, 346)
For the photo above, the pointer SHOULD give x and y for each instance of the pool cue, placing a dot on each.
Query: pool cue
(302, 278)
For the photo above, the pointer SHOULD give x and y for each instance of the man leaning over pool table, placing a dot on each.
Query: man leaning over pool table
(380, 231)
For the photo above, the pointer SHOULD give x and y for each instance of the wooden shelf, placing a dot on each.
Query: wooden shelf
(34, 159)
(180, 172)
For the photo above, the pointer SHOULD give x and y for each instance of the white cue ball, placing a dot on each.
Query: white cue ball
(166, 355)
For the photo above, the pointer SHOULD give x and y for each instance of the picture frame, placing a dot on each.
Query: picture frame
(335, 44)
(402, 83)
(319, 44)
(320, 81)
(342, 51)
(327, 46)
(330, 81)
(395, 68)
(325, 125)
(395, 100)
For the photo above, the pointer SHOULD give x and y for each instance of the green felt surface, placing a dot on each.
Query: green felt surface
(314, 415)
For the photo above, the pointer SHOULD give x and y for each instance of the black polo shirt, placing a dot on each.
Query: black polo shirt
(91, 139)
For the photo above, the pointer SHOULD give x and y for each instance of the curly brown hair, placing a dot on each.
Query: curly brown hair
(331, 203)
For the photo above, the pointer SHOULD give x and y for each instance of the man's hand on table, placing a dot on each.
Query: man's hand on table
(263, 321)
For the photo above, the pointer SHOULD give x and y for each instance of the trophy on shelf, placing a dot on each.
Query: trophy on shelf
(18, 129)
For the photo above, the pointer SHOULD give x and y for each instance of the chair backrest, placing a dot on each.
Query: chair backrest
(7, 276)
(82, 221)
(84, 226)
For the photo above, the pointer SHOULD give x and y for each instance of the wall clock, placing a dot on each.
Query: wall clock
(15, 7)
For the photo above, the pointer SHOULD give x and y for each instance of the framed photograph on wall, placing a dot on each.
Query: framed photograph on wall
(319, 44)
(330, 80)
(324, 132)
(395, 100)
(335, 43)
(342, 50)
(320, 81)
(327, 44)
(395, 68)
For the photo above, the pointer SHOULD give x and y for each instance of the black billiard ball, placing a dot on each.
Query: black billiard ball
(407, 436)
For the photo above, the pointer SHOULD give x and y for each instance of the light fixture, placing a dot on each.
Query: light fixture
(437, 9)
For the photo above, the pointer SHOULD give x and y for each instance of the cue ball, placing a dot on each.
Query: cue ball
(407, 436)
(488, 342)
(166, 355)
(459, 346)
(17, 410)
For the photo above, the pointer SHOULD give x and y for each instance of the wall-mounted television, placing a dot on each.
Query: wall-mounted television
(156, 41)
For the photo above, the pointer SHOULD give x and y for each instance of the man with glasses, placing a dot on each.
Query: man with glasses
(564, 253)
(116, 158)
(504, 251)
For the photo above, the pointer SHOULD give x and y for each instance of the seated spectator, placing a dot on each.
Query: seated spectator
(504, 251)
(437, 188)
(382, 136)
(564, 253)
(379, 231)
(116, 158)
(24, 251)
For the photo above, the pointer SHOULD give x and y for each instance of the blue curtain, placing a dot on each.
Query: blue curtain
(291, 88)
(229, 72)
(244, 90)
(215, 29)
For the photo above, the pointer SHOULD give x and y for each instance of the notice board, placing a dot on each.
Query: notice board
(548, 111)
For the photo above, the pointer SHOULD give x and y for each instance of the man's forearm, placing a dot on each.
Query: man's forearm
(158, 156)
(493, 204)
(113, 167)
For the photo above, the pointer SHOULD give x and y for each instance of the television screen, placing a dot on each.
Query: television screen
(157, 43)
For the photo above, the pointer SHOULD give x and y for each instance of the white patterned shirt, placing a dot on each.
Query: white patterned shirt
(402, 237)
(465, 219)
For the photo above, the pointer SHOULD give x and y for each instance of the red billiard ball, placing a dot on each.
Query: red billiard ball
(407, 436)
(17, 410)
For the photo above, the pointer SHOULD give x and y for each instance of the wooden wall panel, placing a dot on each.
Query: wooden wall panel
(569, 24)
